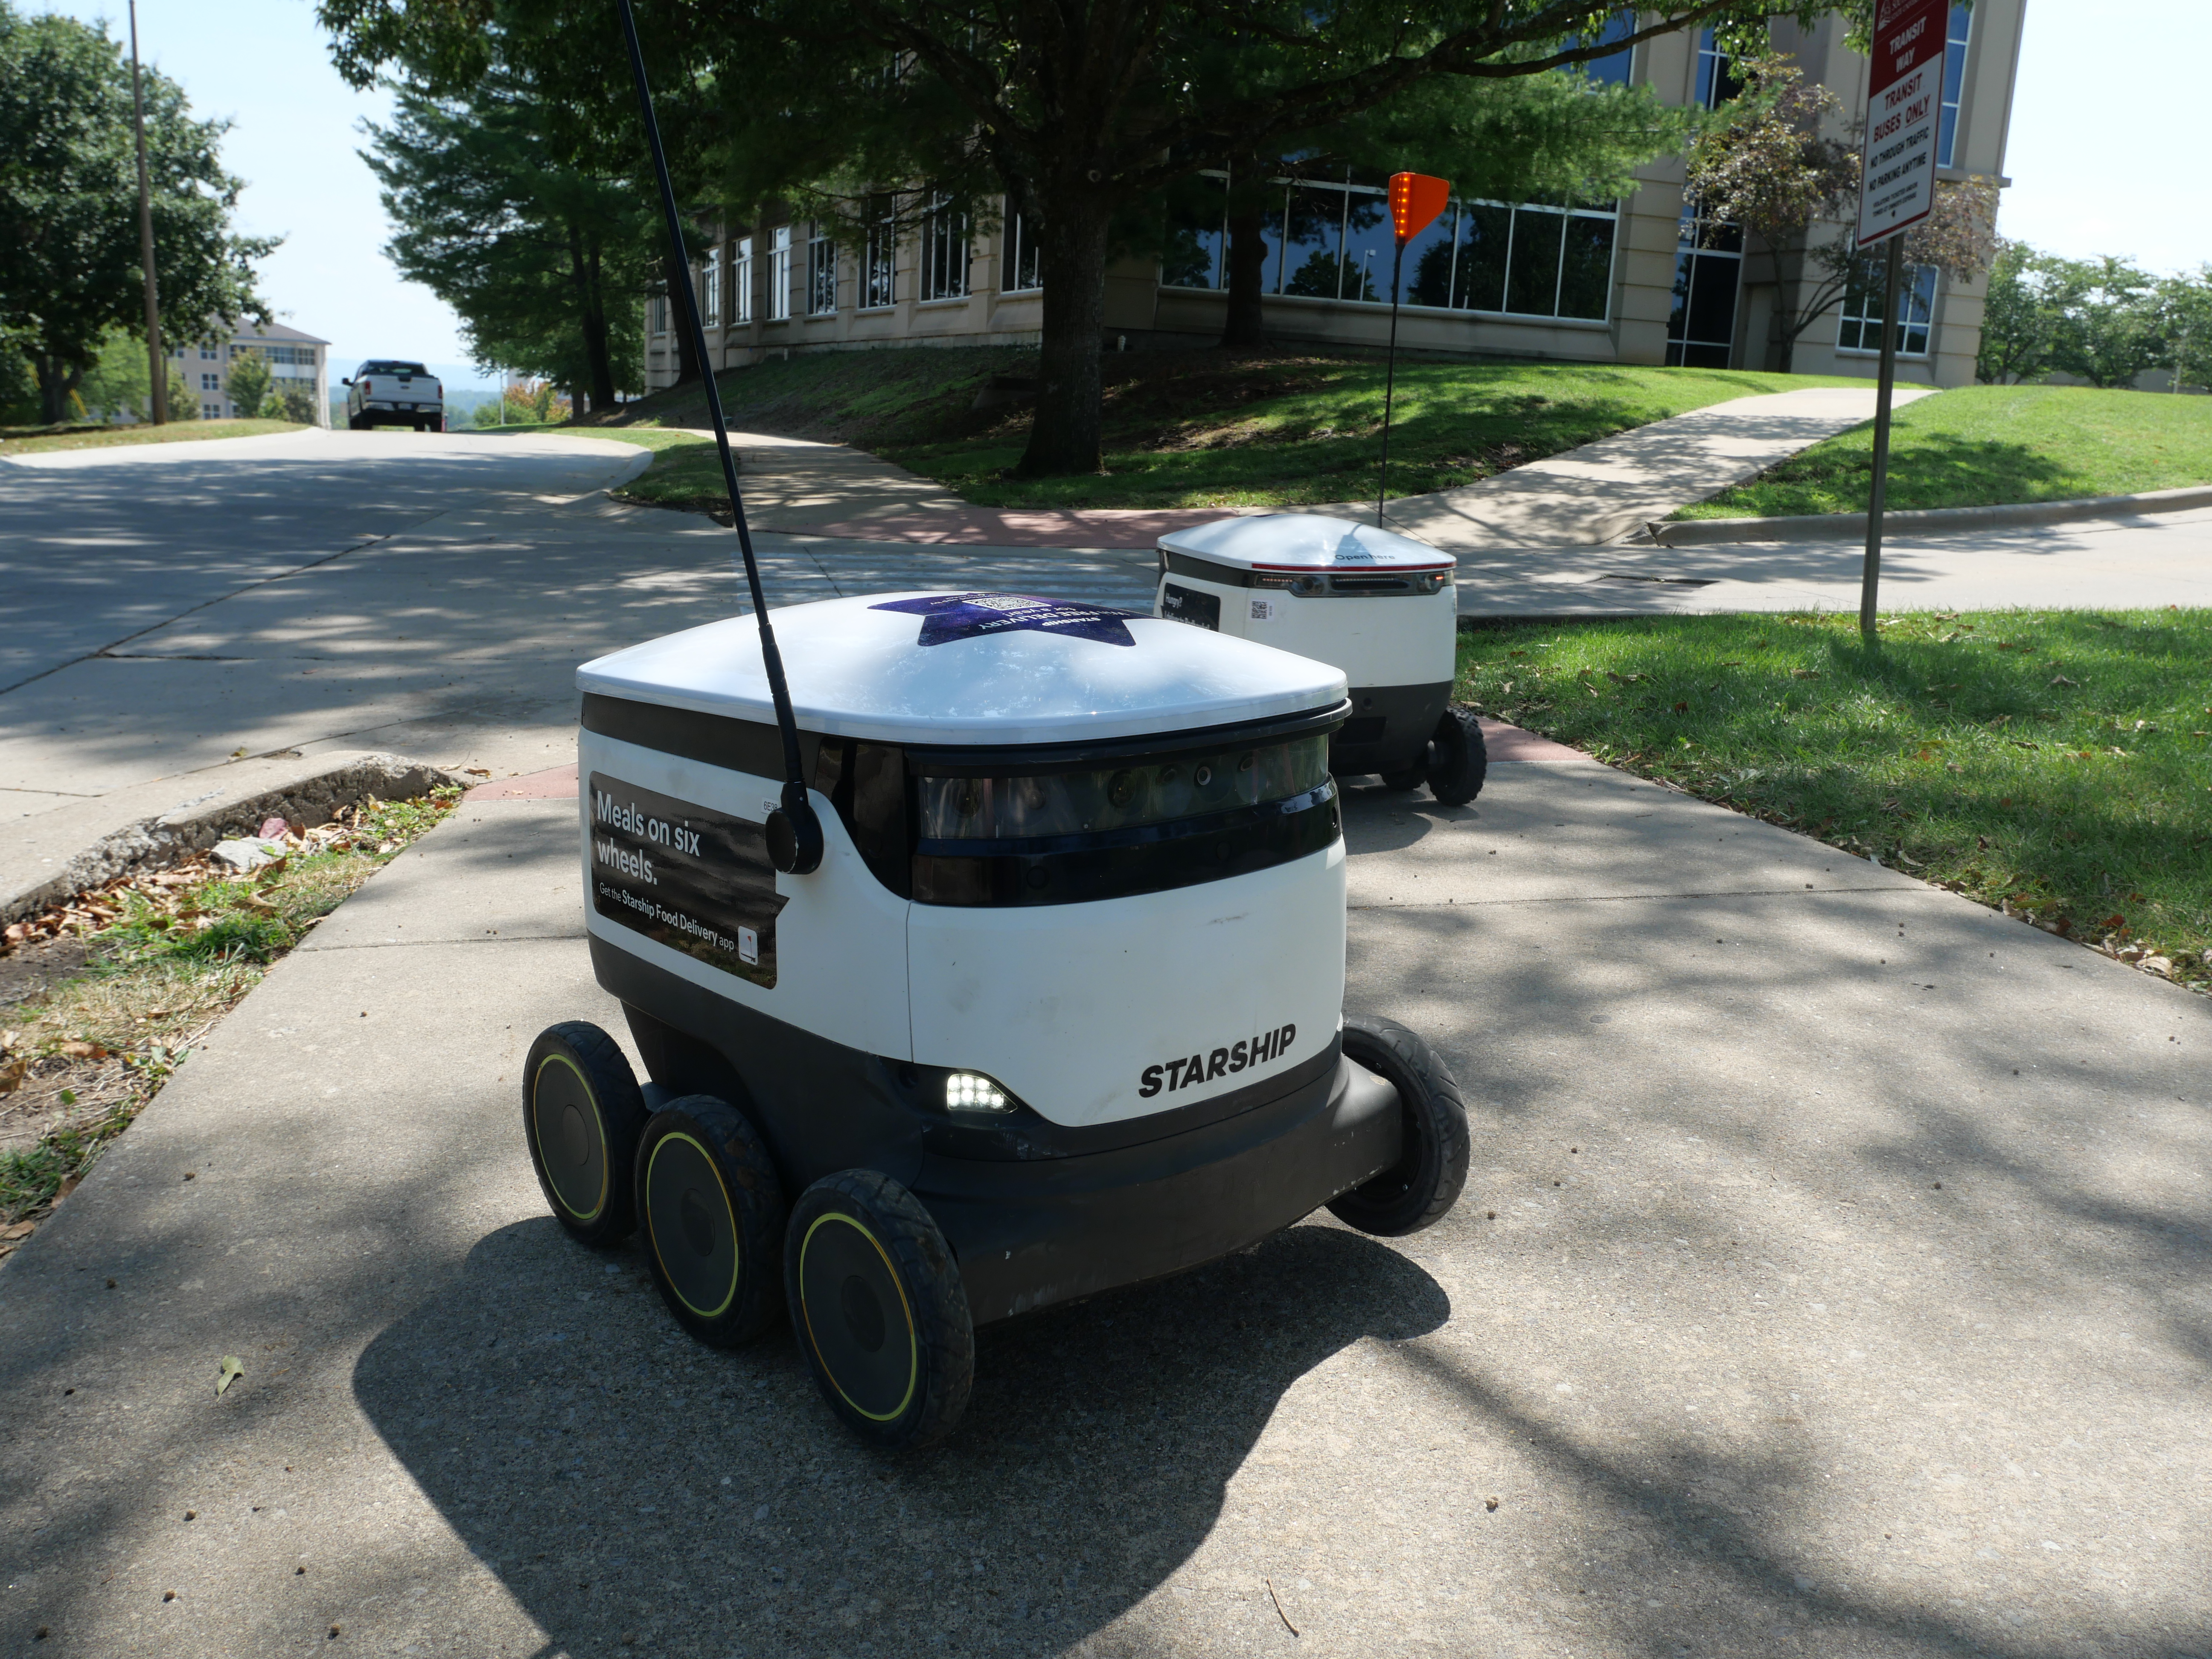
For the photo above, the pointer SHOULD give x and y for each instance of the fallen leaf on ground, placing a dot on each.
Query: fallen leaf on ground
(231, 1371)
(2061, 679)
(477, 771)
(78, 1050)
(21, 1229)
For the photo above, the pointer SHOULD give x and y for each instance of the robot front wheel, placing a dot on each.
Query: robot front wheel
(1418, 1190)
(1453, 762)
(880, 1312)
(582, 1115)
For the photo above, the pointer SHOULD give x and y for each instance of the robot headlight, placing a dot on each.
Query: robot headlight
(971, 1092)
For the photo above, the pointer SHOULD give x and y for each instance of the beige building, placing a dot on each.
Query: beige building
(1636, 282)
(199, 370)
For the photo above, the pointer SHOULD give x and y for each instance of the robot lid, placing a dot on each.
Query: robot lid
(1302, 541)
(975, 668)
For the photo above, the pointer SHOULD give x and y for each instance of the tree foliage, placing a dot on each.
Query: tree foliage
(1774, 165)
(70, 270)
(531, 224)
(1078, 113)
(251, 385)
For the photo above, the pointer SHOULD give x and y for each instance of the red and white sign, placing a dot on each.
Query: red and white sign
(1897, 169)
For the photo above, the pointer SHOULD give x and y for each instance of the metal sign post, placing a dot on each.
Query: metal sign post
(1416, 199)
(1897, 190)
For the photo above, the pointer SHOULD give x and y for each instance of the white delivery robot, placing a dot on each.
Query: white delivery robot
(1058, 1009)
(1379, 606)
(991, 957)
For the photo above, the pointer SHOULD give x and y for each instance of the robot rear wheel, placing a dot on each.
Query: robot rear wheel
(713, 1212)
(1453, 762)
(581, 1115)
(1420, 1188)
(879, 1308)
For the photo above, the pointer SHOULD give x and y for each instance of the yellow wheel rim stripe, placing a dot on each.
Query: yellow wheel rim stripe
(913, 1342)
(736, 1241)
(599, 1129)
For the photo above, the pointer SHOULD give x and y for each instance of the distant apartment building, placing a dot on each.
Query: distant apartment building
(1643, 280)
(199, 370)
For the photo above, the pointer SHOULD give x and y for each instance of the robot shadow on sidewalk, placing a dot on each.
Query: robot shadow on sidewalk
(622, 1479)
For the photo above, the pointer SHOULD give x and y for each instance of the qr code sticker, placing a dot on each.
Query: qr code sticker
(1263, 610)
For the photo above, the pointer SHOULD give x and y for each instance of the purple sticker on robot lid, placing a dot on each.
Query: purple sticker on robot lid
(948, 617)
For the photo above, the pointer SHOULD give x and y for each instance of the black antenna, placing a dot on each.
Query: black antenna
(794, 833)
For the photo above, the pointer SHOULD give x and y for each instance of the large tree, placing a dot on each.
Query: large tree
(1078, 111)
(527, 224)
(69, 262)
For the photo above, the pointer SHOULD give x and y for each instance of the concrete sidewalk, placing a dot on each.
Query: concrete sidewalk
(1605, 491)
(2136, 563)
(1830, 1280)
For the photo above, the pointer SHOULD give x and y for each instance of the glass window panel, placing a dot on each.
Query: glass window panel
(1484, 231)
(1715, 85)
(779, 276)
(821, 276)
(1586, 273)
(741, 280)
(1532, 280)
(1369, 245)
(1197, 251)
(1861, 327)
(1120, 797)
(1612, 69)
(1311, 263)
(1954, 83)
(1022, 274)
(1428, 261)
(712, 287)
(1714, 279)
(879, 256)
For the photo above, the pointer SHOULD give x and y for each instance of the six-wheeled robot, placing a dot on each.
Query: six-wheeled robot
(1379, 606)
(1057, 1005)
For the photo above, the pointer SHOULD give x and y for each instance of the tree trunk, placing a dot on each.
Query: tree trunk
(679, 321)
(56, 380)
(583, 264)
(1072, 250)
(1248, 277)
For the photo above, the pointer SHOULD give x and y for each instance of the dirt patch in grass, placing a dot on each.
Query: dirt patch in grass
(103, 998)
(2055, 765)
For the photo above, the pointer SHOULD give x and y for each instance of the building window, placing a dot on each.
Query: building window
(1714, 86)
(1708, 275)
(779, 276)
(821, 274)
(711, 287)
(1023, 274)
(880, 255)
(207, 352)
(741, 281)
(656, 314)
(1954, 83)
(1612, 69)
(210, 411)
(944, 250)
(1861, 324)
(210, 382)
(1332, 239)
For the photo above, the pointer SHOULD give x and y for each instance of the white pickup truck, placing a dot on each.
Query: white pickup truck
(388, 393)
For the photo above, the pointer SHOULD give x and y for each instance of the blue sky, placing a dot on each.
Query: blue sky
(2104, 132)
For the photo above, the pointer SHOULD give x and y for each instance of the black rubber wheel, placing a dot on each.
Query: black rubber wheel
(582, 1113)
(1458, 759)
(1408, 781)
(355, 424)
(712, 1209)
(881, 1314)
(1425, 1183)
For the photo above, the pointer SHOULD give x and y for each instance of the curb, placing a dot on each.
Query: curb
(1834, 526)
(312, 795)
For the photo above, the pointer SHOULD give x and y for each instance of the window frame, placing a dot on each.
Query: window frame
(779, 275)
(821, 272)
(710, 288)
(1923, 288)
(1020, 250)
(1957, 40)
(741, 281)
(946, 238)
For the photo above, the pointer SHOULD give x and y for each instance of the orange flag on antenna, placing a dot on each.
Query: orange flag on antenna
(1415, 201)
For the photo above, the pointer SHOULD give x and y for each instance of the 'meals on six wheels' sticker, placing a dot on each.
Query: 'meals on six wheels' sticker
(700, 882)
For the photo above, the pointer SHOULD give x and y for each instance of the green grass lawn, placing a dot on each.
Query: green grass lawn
(34, 440)
(1193, 429)
(1991, 446)
(2058, 764)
